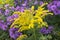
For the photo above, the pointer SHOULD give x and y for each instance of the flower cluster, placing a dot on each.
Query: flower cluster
(29, 19)
(3, 25)
(14, 33)
(45, 30)
(54, 7)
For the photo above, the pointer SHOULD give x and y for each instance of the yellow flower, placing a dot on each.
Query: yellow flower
(21, 37)
(27, 19)
(41, 11)
(31, 25)
(23, 28)
(17, 12)
(32, 8)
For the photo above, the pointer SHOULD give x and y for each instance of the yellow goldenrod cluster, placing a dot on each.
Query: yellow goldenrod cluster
(29, 18)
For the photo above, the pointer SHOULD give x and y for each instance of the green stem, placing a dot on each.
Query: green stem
(34, 34)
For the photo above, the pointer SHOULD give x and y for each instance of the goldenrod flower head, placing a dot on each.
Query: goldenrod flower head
(27, 19)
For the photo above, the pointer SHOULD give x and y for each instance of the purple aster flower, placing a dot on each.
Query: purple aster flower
(12, 8)
(21, 9)
(24, 4)
(17, 8)
(41, 2)
(1, 11)
(11, 18)
(15, 15)
(3, 25)
(58, 4)
(8, 22)
(16, 2)
(7, 12)
(13, 32)
(56, 12)
(36, 2)
(54, 7)
(50, 28)
(45, 30)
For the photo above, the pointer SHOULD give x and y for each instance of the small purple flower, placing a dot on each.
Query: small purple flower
(41, 2)
(1, 11)
(56, 12)
(54, 7)
(24, 5)
(3, 25)
(11, 18)
(13, 32)
(12, 8)
(45, 30)
(15, 15)
(8, 22)
(16, 2)
(7, 12)
(50, 28)
(58, 4)
(20, 8)
(36, 2)
(17, 8)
